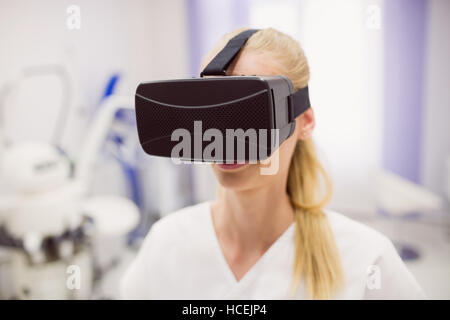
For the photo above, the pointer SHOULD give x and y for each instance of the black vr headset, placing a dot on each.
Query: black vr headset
(225, 119)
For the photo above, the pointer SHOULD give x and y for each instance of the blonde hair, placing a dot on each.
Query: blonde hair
(317, 259)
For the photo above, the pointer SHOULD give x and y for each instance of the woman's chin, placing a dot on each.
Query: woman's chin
(233, 176)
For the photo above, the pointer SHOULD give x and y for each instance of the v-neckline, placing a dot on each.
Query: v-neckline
(227, 269)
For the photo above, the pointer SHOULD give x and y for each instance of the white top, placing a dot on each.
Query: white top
(181, 259)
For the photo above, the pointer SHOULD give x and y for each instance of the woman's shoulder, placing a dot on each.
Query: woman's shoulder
(368, 254)
(183, 222)
(355, 235)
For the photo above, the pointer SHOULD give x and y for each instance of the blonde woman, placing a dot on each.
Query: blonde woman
(268, 236)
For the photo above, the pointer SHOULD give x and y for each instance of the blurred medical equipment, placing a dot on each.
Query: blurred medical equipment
(123, 145)
(399, 197)
(32, 72)
(48, 222)
(124, 152)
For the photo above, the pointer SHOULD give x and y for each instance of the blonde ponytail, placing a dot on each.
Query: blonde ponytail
(316, 255)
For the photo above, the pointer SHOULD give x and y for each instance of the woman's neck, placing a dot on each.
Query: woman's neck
(253, 219)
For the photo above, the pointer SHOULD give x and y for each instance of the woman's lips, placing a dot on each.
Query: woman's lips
(231, 166)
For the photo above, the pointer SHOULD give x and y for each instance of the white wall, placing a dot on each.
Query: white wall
(436, 121)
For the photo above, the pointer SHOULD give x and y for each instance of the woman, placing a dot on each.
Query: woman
(268, 236)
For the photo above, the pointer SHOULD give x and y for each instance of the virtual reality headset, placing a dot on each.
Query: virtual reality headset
(218, 118)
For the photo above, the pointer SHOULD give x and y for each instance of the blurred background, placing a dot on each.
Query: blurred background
(77, 194)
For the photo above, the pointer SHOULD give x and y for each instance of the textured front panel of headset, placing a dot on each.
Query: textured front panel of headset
(157, 122)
